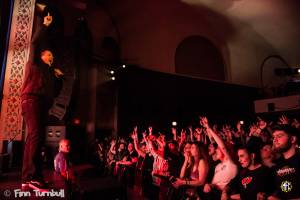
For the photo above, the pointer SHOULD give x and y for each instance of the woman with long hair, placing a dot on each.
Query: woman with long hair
(194, 170)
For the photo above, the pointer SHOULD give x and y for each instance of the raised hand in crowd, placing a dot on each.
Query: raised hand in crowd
(261, 125)
(135, 129)
(113, 142)
(205, 125)
(296, 123)
(134, 135)
(145, 139)
(161, 140)
(204, 122)
(150, 129)
(283, 120)
(252, 129)
(239, 126)
(174, 133)
(191, 133)
(182, 136)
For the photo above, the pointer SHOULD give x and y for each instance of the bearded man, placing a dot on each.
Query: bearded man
(287, 170)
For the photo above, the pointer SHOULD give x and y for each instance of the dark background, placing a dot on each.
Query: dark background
(152, 98)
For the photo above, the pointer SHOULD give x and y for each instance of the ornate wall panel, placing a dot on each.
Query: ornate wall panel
(11, 122)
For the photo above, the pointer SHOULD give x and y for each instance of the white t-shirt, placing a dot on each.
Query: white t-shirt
(224, 172)
(160, 167)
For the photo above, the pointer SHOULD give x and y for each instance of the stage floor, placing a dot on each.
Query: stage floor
(91, 185)
(10, 186)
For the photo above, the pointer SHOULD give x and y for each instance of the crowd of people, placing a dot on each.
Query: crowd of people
(207, 162)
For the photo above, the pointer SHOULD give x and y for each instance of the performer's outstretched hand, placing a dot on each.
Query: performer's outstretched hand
(48, 20)
(58, 73)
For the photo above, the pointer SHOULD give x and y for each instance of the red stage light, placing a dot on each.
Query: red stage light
(76, 121)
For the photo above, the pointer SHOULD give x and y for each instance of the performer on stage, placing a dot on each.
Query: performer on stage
(37, 94)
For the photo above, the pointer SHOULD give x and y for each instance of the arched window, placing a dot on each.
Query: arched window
(197, 56)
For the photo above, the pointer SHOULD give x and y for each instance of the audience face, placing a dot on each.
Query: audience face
(281, 141)
(187, 148)
(218, 155)
(144, 148)
(64, 146)
(130, 147)
(211, 149)
(266, 151)
(244, 158)
(194, 150)
(121, 146)
(172, 147)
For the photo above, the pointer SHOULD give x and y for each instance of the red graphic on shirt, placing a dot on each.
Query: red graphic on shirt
(246, 181)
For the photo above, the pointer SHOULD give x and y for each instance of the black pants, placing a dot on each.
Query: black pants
(35, 112)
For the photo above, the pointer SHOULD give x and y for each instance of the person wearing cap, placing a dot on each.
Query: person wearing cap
(287, 170)
(37, 94)
(268, 156)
